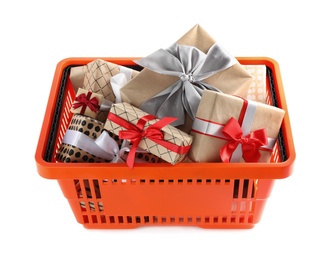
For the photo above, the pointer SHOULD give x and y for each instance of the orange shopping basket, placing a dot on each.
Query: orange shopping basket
(207, 195)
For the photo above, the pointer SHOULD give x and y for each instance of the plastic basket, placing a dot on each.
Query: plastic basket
(207, 195)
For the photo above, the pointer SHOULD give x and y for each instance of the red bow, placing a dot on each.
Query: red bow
(250, 143)
(83, 100)
(135, 133)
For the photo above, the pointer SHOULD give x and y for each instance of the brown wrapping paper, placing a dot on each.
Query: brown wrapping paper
(146, 157)
(171, 134)
(96, 77)
(234, 80)
(76, 77)
(90, 127)
(86, 103)
(93, 128)
(257, 88)
(219, 108)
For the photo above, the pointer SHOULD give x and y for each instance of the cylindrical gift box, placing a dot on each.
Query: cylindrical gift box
(68, 152)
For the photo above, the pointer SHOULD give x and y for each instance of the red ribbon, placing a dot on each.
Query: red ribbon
(250, 143)
(83, 100)
(135, 133)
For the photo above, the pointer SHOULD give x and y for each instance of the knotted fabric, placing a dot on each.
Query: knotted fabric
(242, 142)
(250, 143)
(191, 66)
(104, 146)
(135, 133)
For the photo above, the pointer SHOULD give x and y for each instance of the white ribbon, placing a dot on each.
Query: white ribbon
(248, 119)
(119, 80)
(104, 146)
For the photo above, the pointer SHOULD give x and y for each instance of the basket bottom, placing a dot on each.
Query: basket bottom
(126, 226)
(235, 221)
(101, 204)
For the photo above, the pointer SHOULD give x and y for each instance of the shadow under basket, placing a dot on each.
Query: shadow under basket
(206, 195)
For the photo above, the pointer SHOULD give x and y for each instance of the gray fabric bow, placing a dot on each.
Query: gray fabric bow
(192, 66)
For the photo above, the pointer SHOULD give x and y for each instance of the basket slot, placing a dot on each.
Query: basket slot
(162, 181)
(274, 101)
(245, 188)
(56, 116)
(118, 221)
(87, 191)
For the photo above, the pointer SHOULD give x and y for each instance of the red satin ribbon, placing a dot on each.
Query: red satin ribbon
(250, 143)
(135, 133)
(83, 100)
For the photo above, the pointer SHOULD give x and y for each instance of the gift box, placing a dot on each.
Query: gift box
(79, 142)
(228, 128)
(173, 79)
(101, 77)
(147, 132)
(257, 88)
(86, 103)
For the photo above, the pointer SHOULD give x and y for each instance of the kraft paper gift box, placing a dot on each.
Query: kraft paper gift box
(228, 128)
(147, 132)
(195, 62)
(101, 77)
(79, 142)
(86, 141)
(257, 88)
(86, 103)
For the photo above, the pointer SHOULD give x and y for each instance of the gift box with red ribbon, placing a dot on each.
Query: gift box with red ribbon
(86, 103)
(103, 78)
(229, 128)
(147, 132)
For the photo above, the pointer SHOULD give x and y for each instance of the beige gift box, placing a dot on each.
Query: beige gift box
(171, 135)
(216, 110)
(86, 103)
(257, 88)
(233, 80)
(96, 77)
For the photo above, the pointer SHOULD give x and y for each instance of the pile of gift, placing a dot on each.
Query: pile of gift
(192, 102)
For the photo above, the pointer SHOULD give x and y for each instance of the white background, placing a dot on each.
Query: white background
(36, 221)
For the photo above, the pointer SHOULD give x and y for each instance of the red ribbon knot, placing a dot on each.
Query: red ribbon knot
(250, 143)
(135, 133)
(84, 100)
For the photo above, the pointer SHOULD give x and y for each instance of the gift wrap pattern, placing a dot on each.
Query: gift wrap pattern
(171, 135)
(252, 129)
(84, 125)
(257, 88)
(96, 77)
